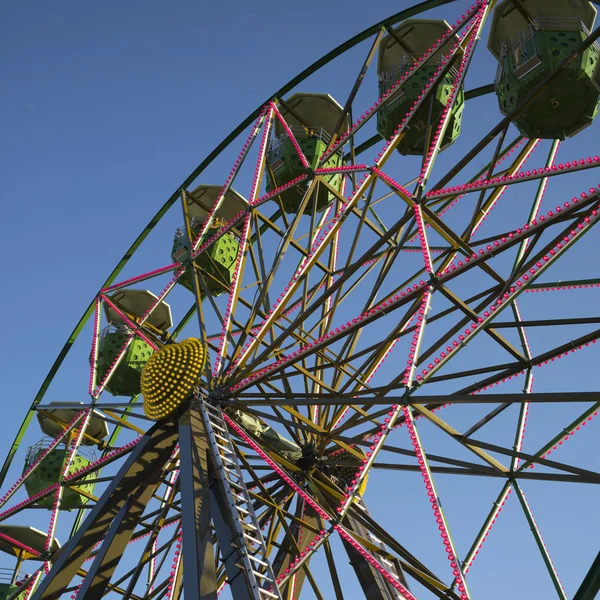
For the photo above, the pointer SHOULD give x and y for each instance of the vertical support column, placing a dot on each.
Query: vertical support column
(200, 581)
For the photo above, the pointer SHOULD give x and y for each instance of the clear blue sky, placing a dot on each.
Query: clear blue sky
(106, 108)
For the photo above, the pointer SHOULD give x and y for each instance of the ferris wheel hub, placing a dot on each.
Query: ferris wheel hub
(217, 397)
(170, 376)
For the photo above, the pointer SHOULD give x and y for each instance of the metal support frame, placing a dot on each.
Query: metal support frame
(115, 514)
(198, 557)
(134, 484)
(371, 581)
(249, 572)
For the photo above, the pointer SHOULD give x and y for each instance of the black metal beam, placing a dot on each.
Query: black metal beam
(530, 457)
(549, 322)
(590, 587)
(328, 400)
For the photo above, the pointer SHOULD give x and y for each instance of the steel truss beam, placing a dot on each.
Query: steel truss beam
(113, 519)
(371, 581)
(196, 509)
(326, 400)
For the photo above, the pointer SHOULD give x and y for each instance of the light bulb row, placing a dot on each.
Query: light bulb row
(169, 377)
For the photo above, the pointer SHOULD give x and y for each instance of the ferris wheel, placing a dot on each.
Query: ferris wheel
(326, 390)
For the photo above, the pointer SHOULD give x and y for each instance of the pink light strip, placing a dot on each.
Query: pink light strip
(416, 341)
(20, 545)
(449, 272)
(76, 590)
(41, 457)
(32, 583)
(261, 157)
(423, 239)
(105, 459)
(562, 288)
(280, 189)
(371, 111)
(374, 563)
(342, 169)
(235, 282)
(290, 135)
(30, 500)
(138, 278)
(94, 354)
(175, 568)
(434, 500)
(113, 367)
(522, 176)
(130, 337)
(236, 167)
(68, 459)
(134, 326)
(446, 112)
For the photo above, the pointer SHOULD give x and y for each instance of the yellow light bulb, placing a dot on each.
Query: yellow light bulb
(170, 375)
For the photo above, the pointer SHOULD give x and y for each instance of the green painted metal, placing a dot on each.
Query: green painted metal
(339, 50)
(218, 261)
(48, 473)
(125, 381)
(569, 103)
(285, 165)
(7, 590)
(392, 113)
(469, 94)
(531, 96)
(590, 587)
